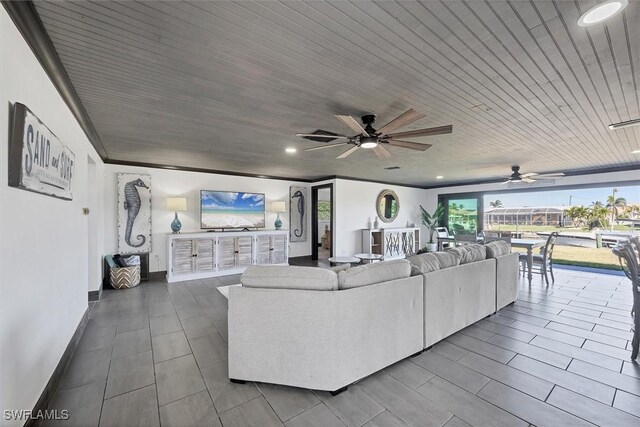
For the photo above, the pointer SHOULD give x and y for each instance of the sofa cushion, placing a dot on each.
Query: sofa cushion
(497, 248)
(432, 261)
(287, 277)
(373, 273)
(470, 253)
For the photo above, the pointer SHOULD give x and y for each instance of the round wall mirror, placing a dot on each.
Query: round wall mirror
(388, 205)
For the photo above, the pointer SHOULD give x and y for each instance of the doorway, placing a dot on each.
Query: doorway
(93, 258)
(322, 222)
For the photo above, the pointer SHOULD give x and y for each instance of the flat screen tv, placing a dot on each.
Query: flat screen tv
(227, 209)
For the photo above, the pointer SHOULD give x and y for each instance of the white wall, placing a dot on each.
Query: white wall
(43, 241)
(595, 180)
(355, 206)
(170, 183)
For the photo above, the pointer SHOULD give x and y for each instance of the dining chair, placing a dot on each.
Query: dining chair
(542, 263)
(488, 239)
(465, 239)
(629, 251)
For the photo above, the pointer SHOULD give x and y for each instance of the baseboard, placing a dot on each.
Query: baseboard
(95, 295)
(157, 275)
(46, 398)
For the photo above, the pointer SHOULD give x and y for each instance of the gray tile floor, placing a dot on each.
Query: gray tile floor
(157, 354)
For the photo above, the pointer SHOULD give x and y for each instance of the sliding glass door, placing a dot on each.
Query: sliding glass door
(462, 214)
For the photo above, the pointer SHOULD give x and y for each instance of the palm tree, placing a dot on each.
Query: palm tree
(597, 215)
(613, 203)
(496, 204)
(453, 207)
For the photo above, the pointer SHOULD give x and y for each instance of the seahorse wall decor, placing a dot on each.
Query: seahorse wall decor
(134, 213)
(296, 209)
(132, 205)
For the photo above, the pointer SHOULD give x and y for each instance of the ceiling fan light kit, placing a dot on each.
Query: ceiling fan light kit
(369, 138)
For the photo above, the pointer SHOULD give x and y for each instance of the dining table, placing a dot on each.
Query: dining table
(529, 245)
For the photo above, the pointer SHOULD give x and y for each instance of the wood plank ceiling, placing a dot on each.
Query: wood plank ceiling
(226, 85)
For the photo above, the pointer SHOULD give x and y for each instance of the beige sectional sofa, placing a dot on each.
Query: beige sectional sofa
(321, 329)
(464, 285)
(315, 328)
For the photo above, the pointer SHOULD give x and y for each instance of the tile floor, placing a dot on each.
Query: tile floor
(157, 354)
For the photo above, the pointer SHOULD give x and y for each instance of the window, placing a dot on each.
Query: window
(324, 210)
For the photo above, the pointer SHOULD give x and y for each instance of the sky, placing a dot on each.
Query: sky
(231, 200)
(581, 196)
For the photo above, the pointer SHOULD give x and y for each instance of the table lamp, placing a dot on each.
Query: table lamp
(176, 204)
(278, 207)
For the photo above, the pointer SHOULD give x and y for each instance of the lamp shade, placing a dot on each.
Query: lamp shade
(176, 204)
(278, 207)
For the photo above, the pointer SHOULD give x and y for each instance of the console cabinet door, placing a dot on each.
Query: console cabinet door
(226, 253)
(204, 251)
(182, 256)
(263, 249)
(278, 249)
(244, 251)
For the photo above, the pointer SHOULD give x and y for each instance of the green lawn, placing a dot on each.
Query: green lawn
(586, 257)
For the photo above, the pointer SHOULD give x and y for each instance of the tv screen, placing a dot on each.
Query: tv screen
(226, 209)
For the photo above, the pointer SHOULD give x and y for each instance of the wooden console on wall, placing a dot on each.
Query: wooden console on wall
(200, 255)
(391, 243)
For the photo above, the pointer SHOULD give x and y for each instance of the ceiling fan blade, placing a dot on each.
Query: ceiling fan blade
(347, 153)
(409, 144)
(352, 123)
(528, 180)
(314, 135)
(528, 174)
(505, 182)
(439, 130)
(403, 119)
(322, 147)
(381, 152)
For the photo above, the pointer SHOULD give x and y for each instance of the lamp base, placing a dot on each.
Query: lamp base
(278, 223)
(176, 225)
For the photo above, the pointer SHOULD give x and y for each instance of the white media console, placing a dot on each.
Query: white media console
(209, 254)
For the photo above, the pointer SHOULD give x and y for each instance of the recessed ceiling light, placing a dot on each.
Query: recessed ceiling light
(626, 124)
(290, 150)
(602, 12)
(439, 177)
(635, 152)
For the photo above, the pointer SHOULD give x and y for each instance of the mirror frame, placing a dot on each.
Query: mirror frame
(383, 194)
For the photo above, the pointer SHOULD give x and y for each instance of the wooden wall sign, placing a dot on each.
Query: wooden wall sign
(38, 160)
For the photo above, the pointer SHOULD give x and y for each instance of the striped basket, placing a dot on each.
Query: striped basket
(125, 277)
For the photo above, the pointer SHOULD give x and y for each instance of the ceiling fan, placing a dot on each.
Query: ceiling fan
(369, 138)
(529, 177)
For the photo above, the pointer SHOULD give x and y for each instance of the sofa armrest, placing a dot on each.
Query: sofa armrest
(506, 279)
(323, 340)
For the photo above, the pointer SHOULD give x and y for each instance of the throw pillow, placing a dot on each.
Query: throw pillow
(288, 277)
(423, 263)
(470, 253)
(370, 274)
(497, 248)
(340, 267)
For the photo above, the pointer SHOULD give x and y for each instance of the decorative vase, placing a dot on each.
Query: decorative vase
(376, 224)
(176, 225)
(278, 223)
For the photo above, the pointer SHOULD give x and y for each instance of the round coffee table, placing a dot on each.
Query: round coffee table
(368, 258)
(343, 260)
